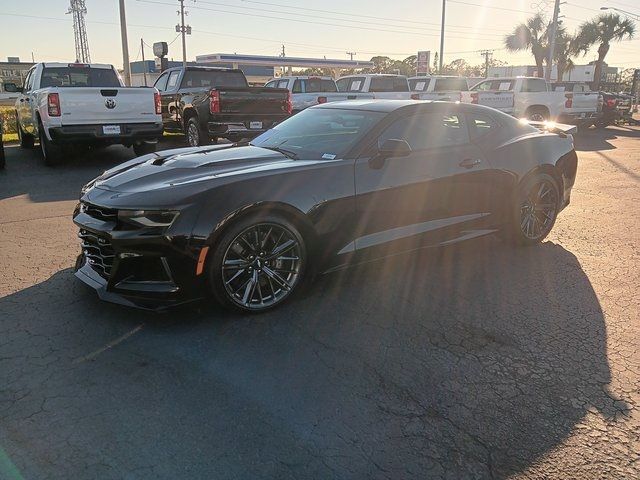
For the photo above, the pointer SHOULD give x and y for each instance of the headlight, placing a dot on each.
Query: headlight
(147, 218)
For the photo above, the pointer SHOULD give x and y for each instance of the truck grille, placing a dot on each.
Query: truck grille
(99, 213)
(98, 252)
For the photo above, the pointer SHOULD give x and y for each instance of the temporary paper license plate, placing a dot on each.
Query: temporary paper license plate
(111, 129)
(583, 115)
(255, 125)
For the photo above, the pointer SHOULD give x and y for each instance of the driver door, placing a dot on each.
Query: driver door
(437, 193)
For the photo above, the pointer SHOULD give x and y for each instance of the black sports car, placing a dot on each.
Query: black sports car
(245, 223)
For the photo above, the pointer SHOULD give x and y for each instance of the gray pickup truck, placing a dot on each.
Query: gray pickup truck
(208, 103)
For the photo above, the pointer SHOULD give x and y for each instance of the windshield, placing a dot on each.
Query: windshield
(80, 76)
(319, 133)
(418, 84)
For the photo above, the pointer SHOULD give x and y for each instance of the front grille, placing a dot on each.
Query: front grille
(98, 252)
(99, 213)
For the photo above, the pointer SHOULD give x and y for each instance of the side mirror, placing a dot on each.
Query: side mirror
(393, 147)
(12, 88)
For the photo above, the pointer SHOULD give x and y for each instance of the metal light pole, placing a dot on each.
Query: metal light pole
(125, 45)
(183, 31)
(144, 62)
(552, 43)
(624, 12)
(441, 38)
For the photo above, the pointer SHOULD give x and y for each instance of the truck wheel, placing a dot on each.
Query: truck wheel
(195, 136)
(537, 114)
(144, 148)
(2, 160)
(51, 153)
(26, 140)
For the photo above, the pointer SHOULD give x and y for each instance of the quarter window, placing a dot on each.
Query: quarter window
(271, 84)
(430, 130)
(173, 80)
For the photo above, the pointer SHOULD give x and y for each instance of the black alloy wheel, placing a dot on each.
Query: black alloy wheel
(258, 264)
(195, 136)
(538, 209)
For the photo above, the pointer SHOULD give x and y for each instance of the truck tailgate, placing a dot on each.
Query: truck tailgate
(584, 102)
(254, 101)
(94, 105)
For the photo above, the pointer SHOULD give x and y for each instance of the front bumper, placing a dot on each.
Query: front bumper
(129, 133)
(134, 268)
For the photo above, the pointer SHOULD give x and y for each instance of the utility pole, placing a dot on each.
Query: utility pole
(125, 45)
(552, 42)
(144, 63)
(440, 57)
(183, 31)
(351, 54)
(487, 54)
(283, 53)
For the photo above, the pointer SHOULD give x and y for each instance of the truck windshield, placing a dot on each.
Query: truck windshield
(317, 85)
(79, 76)
(319, 133)
(455, 84)
(213, 79)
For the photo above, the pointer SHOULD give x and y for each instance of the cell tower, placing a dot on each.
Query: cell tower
(78, 9)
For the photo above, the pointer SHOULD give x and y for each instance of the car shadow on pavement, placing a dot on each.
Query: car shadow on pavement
(593, 139)
(467, 362)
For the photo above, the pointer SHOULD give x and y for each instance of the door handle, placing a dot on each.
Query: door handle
(470, 162)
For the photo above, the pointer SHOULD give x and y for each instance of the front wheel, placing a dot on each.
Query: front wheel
(536, 210)
(26, 140)
(258, 264)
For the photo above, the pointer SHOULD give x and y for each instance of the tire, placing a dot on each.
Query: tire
(2, 159)
(51, 153)
(601, 125)
(535, 211)
(249, 271)
(537, 114)
(144, 148)
(196, 137)
(26, 140)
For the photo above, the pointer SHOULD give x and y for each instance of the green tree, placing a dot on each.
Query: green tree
(602, 31)
(565, 49)
(531, 35)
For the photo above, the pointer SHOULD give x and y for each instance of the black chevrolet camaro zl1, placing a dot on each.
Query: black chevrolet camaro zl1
(335, 184)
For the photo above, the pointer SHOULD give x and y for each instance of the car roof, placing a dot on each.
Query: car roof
(388, 106)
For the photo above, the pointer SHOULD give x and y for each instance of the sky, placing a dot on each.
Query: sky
(327, 28)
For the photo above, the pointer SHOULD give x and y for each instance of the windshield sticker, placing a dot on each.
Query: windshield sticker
(328, 156)
(355, 85)
(420, 86)
(504, 86)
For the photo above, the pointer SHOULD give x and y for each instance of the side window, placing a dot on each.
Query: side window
(28, 82)
(481, 125)
(173, 80)
(400, 84)
(161, 83)
(426, 131)
(534, 85)
(271, 84)
(297, 86)
(483, 86)
(283, 84)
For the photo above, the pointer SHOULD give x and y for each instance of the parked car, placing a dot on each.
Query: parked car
(534, 98)
(441, 87)
(616, 109)
(395, 87)
(66, 104)
(2, 159)
(335, 184)
(208, 103)
(309, 91)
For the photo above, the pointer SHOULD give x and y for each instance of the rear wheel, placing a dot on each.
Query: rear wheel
(2, 160)
(51, 153)
(195, 136)
(144, 148)
(536, 210)
(258, 264)
(26, 140)
(537, 114)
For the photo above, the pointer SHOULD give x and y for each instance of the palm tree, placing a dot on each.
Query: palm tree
(565, 49)
(531, 35)
(603, 30)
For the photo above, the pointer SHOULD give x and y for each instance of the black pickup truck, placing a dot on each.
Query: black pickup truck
(208, 103)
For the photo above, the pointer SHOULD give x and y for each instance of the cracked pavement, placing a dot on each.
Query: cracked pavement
(475, 361)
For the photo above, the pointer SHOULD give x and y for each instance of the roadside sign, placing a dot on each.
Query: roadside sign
(423, 60)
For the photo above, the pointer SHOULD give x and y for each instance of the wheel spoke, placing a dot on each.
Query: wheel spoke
(277, 278)
(235, 264)
(237, 274)
(285, 247)
(264, 240)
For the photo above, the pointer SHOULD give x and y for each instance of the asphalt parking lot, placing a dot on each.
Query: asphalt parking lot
(476, 361)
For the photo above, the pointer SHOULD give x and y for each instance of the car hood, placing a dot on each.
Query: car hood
(189, 165)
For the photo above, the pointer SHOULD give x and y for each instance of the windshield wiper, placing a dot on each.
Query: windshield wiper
(284, 151)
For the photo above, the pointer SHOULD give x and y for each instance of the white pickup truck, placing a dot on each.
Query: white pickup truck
(534, 98)
(70, 104)
(395, 87)
(443, 88)
(308, 91)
